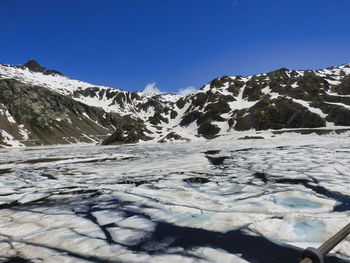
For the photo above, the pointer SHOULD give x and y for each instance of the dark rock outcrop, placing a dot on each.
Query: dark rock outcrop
(130, 131)
(277, 114)
(36, 67)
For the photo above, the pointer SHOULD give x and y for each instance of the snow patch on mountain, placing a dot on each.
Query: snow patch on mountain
(9, 140)
(55, 82)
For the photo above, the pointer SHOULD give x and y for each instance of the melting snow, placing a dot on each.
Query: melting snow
(164, 203)
(9, 117)
(8, 139)
(312, 109)
(241, 103)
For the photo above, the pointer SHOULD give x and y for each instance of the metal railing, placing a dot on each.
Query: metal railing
(313, 255)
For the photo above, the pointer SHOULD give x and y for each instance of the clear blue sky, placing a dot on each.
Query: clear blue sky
(175, 43)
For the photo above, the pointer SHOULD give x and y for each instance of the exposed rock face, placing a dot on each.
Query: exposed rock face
(277, 114)
(344, 87)
(208, 129)
(34, 66)
(40, 116)
(172, 136)
(53, 108)
(129, 131)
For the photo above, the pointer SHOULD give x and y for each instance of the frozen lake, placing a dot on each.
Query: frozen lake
(217, 201)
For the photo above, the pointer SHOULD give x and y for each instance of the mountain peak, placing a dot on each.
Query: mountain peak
(34, 66)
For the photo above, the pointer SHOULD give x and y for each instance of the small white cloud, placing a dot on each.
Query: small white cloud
(151, 89)
(187, 91)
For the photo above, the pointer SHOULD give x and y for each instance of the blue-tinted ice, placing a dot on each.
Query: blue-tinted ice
(174, 202)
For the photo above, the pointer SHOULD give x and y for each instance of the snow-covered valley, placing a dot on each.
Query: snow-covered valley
(221, 200)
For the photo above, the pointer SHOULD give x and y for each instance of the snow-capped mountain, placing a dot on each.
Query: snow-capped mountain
(42, 106)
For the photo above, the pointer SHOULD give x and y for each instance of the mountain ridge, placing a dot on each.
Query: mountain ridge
(280, 99)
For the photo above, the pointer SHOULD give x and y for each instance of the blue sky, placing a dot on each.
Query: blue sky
(128, 44)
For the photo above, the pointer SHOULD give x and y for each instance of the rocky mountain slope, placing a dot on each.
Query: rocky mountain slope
(42, 106)
(33, 114)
